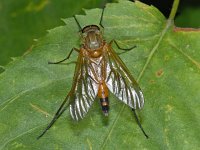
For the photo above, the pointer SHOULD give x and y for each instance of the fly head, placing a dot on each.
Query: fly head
(92, 37)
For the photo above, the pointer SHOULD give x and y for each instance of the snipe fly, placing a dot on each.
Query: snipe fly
(99, 70)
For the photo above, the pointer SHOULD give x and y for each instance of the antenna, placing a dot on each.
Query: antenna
(102, 13)
(80, 29)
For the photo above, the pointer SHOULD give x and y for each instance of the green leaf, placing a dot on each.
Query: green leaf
(165, 62)
(25, 20)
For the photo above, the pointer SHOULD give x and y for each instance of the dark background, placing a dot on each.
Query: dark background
(188, 11)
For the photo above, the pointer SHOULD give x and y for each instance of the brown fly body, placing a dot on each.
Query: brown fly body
(99, 70)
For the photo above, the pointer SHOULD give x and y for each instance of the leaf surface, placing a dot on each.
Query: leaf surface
(165, 62)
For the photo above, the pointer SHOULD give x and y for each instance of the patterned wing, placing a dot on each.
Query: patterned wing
(84, 90)
(81, 96)
(121, 83)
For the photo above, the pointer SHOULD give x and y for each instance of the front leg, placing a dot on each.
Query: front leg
(120, 48)
(58, 62)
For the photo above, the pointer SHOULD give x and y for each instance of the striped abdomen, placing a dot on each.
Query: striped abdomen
(103, 95)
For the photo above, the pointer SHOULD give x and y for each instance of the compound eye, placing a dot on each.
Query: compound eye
(84, 35)
(97, 32)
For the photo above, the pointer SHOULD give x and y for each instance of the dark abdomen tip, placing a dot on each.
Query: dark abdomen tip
(105, 105)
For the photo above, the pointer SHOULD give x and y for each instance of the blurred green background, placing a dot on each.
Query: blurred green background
(23, 21)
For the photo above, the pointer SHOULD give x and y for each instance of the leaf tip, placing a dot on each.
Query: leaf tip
(14, 58)
(48, 31)
(62, 19)
(35, 40)
(2, 67)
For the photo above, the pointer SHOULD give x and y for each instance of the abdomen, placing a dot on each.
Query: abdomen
(103, 96)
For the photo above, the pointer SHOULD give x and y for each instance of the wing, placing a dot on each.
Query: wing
(84, 90)
(121, 83)
(81, 95)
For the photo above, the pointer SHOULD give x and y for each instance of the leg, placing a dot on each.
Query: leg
(139, 124)
(59, 112)
(58, 62)
(51, 123)
(125, 49)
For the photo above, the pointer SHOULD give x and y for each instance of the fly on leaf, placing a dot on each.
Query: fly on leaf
(99, 70)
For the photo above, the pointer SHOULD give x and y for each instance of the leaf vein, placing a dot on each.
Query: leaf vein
(12, 99)
(186, 55)
(32, 129)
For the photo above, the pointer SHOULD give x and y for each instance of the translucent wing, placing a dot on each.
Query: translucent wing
(84, 90)
(81, 95)
(121, 83)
